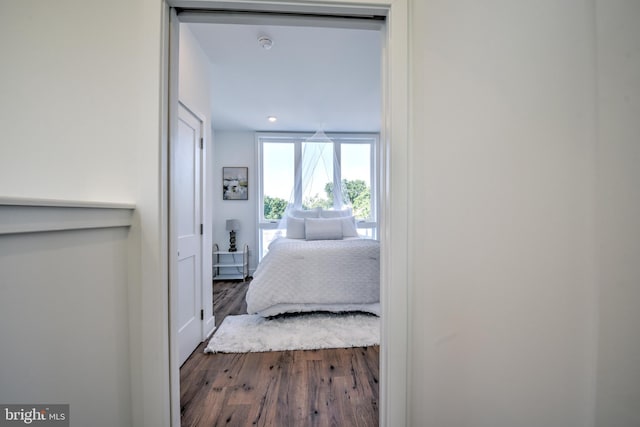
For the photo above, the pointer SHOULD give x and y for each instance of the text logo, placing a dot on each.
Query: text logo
(34, 415)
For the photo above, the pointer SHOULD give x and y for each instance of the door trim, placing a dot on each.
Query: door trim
(208, 323)
(183, 110)
(394, 149)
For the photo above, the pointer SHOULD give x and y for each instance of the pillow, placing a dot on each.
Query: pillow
(349, 227)
(305, 213)
(335, 214)
(323, 229)
(295, 228)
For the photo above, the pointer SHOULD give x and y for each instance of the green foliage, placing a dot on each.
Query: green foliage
(362, 205)
(359, 196)
(316, 202)
(274, 207)
(358, 192)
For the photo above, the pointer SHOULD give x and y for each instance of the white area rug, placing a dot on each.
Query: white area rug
(253, 333)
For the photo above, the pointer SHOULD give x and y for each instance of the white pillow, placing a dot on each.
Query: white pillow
(349, 227)
(295, 228)
(335, 214)
(305, 213)
(323, 229)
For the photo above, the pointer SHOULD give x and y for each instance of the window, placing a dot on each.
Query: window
(277, 178)
(307, 175)
(356, 174)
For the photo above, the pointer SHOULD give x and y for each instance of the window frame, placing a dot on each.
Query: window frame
(369, 226)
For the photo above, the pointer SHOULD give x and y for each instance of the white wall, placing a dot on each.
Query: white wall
(618, 42)
(195, 74)
(65, 132)
(502, 173)
(224, 149)
(64, 323)
(235, 149)
(195, 92)
(80, 119)
(502, 182)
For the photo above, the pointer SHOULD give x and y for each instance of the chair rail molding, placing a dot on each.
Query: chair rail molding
(23, 215)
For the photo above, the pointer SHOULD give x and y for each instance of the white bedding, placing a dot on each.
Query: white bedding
(319, 275)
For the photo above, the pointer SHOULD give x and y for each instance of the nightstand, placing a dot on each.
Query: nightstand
(230, 265)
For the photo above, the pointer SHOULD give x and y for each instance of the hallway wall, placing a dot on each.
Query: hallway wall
(502, 232)
(80, 121)
(523, 203)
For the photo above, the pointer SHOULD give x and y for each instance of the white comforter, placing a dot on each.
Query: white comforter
(320, 275)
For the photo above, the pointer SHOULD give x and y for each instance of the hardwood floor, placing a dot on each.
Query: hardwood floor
(335, 387)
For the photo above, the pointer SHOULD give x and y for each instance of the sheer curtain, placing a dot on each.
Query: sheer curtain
(315, 178)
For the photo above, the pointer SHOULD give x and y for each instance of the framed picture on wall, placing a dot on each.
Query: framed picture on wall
(235, 183)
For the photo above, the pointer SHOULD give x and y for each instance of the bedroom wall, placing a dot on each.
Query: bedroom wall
(79, 120)
(618, 61)
(235, 149)
(502, 278)
(195, 91)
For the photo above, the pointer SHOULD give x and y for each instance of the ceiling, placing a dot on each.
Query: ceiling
(312, 78)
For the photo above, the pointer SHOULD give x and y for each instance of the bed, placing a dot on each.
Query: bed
(322, 272)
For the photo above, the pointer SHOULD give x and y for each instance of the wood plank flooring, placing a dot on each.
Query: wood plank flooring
(334, 387)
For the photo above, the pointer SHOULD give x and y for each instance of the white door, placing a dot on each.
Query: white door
(187, 202)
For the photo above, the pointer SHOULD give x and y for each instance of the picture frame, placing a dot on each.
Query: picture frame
(235, 183)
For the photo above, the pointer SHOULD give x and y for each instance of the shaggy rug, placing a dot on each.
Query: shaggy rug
(252, 333)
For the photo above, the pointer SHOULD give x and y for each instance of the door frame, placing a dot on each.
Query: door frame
(207, 322)
(394, 202)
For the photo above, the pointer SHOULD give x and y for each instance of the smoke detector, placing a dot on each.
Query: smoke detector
(265, 42)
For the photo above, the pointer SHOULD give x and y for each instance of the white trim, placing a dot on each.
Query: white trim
(394, 206)
(173, 101)
(208, 323)
(372, 139)
(22, 201)
(394, 227)
(327, 7)
(263, 19)
(149, 263)
(39, 215)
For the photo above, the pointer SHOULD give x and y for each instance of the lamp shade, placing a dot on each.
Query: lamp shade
(233, 225)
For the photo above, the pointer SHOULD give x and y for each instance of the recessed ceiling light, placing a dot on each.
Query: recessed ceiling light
(272, 119)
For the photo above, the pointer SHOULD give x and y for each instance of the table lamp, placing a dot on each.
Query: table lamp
(232, 226)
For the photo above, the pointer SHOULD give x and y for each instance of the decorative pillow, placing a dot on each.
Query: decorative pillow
(295, 228)
(349, 227)
(335, 214)
(305, 213)
(323, 229)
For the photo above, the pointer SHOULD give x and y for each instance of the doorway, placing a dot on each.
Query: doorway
(393, 162)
